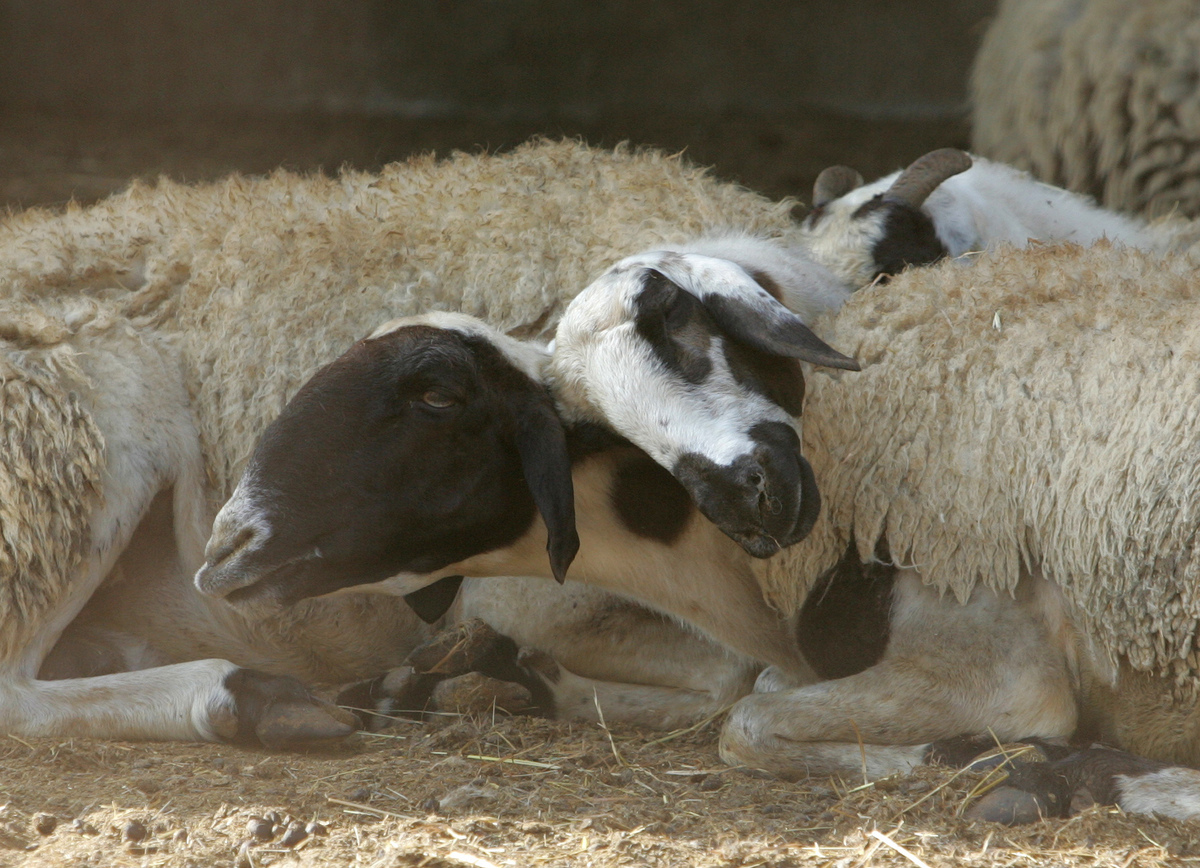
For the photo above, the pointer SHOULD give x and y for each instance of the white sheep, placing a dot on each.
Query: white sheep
(147, 340)
(1022, 443)
(1099, 96)
(948, 204)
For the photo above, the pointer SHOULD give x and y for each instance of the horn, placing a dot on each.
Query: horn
(925, 174)
(833, 183)
(777, 331)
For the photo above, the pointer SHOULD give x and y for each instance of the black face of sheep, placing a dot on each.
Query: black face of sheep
(416, 449)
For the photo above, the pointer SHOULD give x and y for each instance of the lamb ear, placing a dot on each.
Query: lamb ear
(773, 329)
(542, 445)
(433, 601)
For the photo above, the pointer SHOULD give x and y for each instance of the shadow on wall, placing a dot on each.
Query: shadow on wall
(761, 90)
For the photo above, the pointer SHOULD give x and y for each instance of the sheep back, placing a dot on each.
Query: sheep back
(1099, 96)
(266, 279)
(1038, 409)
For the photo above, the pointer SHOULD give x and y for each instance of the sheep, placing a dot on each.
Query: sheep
(1029, 599)
(949, 203)
(1099, 97)
(148, 339)
(1033, 596)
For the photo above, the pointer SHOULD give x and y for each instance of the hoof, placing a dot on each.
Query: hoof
(475, 693)
(277, 712)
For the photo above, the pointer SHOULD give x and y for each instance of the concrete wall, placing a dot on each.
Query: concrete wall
(489, 58)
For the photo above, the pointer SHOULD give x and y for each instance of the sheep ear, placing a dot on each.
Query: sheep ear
(542, 445)
(433, 601)
(834, 182)
(772, 328)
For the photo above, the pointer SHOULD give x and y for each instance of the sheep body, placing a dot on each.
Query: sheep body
(1036, 411)
(1099, 96)
(149, 338)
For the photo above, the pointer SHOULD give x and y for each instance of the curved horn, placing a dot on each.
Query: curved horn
(925, 174)
(833, 183)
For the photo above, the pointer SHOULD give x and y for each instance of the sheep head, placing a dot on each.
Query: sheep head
(861, 232)
(693, 361)
(429, 442)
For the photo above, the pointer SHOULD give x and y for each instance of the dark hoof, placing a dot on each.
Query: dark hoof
(475, 693)
(277, 712)
(402, 692)
(1009, 806)
(456, 650)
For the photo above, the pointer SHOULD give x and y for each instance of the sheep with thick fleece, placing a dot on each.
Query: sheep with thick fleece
(1024, 428)
(1024, 451)
(148, 339)
(1099, 96)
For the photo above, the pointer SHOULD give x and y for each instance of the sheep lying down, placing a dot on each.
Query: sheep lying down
(1018, 452)
(147, 340)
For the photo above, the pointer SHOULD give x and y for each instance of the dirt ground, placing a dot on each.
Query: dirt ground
(513, 792)
(469, 792)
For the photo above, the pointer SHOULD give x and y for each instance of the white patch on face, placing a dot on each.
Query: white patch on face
(604, 371)
(1173, 792)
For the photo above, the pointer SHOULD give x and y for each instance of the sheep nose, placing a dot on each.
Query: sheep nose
(238, 532)
(220, 548)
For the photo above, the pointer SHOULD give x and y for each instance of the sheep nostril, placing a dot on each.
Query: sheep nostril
(227, 550)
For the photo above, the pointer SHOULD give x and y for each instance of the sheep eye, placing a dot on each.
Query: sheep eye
(437, 400)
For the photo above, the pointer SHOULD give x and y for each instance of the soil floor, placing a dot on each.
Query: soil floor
(515, 792)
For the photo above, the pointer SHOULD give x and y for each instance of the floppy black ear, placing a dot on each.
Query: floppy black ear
(433, 601)
(542, 444)
(775, 330)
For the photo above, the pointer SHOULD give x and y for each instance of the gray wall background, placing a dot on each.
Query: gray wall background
(95, 91)
(497, 58)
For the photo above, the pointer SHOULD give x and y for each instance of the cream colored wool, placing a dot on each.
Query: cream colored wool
(1098, 96)
(259, 281)
(1040, 407)
(53, 462)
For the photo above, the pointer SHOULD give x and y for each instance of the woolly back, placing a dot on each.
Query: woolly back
(268, 278)
(308, 265)
(1038, 407)
(1096, 96)
(50, 479)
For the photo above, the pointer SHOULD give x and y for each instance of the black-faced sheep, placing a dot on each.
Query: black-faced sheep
(1099, 96)
(147, 340)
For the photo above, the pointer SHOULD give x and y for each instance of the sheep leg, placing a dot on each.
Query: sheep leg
(988, 666)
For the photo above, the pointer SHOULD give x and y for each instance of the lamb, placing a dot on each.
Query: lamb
(948, 204)
(1099, 97)
(1060, 618)
(979, 452)
(148, 339)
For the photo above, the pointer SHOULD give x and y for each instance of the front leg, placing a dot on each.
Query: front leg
(989, 666)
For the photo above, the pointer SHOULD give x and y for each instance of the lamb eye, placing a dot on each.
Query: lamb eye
(437, 400)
